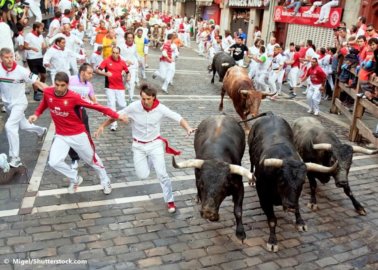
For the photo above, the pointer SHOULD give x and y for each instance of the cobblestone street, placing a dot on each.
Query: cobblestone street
(131, 228)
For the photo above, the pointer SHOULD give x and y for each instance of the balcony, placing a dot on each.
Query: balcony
(248, 3)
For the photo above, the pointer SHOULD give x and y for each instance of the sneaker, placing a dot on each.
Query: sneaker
(146, 65)
(107, 189)
(74, 164)
(164, 90)
(113, 128)
(4, 165)
(15, 162)
(41, 137)
(171, 207)
(304, 92)
(360, 94)
(153, 76)
(72, 188)
(171, 83)
(292, 95)
(3, 110)
(309, 111)
(316, 113)
(37, 96)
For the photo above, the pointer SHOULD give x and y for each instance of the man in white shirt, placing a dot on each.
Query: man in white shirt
(12, 88)
(276, 71)
(34, 46)
(66, 17)
(35, 8)
(54, 27)
(55, 58)
(149, 147)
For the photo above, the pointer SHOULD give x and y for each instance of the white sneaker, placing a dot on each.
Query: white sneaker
(72, 188)
(3, 109)
(171, 83)
(15, 162)
(4, 165)
(41, 137)
(309, 111)
(164, 90)
(304, 92)
(74, 164)
(316, 113)
(107, 188)
(113, 128)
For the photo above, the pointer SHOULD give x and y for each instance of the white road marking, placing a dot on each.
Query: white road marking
(364, 157)
(367, 167)
(8, 213)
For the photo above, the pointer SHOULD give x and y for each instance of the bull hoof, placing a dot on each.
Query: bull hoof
(302, 227)
(361, 211)
(313, 206)
(272, 247)
(241, 236)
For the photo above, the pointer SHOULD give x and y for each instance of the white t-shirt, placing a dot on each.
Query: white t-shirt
(54, 28)
(34, 42)
(54, 57)
(129, 53)
(19, 41)
(65, 20)
(64, 4)
(12, 85)
(145, 125)
(95, 60)
(6, 36)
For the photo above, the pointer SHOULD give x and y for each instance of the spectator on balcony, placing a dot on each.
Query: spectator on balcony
(370, 32)
(324, 10)
(296, 4)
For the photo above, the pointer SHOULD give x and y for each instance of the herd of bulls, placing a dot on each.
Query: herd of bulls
(281, 157)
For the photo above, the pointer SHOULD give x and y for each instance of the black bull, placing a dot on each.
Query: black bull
(279, 171)
(317, 144)
(219, 145)
(221, 63)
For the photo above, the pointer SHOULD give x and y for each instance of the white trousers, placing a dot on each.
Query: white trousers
(142, 66)
(80, 143)
(272, 79)
(130, 85)
(115, 97)
(35, 9)
(260, 81)
(16, 121)
(326, 9)
(153, 153)
(313, 96)
(293, 76)
(73, 65)
(166, 72)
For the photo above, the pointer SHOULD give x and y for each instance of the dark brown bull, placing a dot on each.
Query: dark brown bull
(240, 89)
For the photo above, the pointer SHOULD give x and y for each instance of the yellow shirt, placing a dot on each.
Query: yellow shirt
(139, 43)
(107, 47)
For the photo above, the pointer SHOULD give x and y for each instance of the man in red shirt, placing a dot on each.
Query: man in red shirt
(317, 78)
(293, 76)
(167, 64)
(114, 68)
(71, 131)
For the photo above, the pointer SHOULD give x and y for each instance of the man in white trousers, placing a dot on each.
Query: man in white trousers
(71, 132)
(130, 55)
(149, 147)
(12, 88)
(114, 68)
(56, 57)
(167, 64)
(317, 79)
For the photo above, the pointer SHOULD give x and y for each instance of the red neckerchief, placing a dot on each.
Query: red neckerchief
(321, 56)
(57, 47)
(98, 53)
(35, 33)
(124, 28)
(154, 105)
(128, 46)
(14, 65)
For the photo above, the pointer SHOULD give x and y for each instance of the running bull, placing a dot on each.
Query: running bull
(219, 145)
(221, 63)
(240, 89)
(279, 170)
(320, 145)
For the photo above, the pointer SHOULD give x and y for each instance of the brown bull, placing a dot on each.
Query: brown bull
(240, 89)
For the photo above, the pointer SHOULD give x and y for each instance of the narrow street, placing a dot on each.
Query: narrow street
(131, 228)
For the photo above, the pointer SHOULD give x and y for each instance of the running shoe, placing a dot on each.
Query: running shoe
(171, 207)
(74, 164)
(15, 162)
(72, 188)
(107, 188)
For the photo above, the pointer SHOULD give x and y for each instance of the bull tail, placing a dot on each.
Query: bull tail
(255, 117)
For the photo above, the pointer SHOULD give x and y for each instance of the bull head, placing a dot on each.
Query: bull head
(197, 163)
(312, 167)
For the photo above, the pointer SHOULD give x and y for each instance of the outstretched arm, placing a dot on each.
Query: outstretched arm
(102, 126)
(185, 125)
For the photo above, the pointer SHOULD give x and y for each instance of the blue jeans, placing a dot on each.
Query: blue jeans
(296, 5)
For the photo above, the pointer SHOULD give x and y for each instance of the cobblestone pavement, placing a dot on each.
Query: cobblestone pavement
(131, 229)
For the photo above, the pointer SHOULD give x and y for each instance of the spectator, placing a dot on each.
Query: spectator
(361, 24)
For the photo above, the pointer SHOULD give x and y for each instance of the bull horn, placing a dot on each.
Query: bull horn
(190, 163)
(273, 162)
(359, 149)
(236, 169)
(268, 94)
(322, 146)
(314, 167)
(244, 92)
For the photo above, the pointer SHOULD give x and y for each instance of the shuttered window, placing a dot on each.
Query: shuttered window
(320, 36)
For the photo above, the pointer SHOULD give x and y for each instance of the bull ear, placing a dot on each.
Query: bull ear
(359, 149)
(314, 167)
(236, 169)
(273, 162)
(190, 163)
(322, 146)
